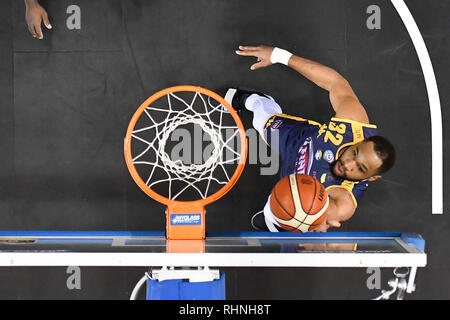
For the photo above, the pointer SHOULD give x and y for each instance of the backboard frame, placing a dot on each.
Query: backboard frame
(413, 256)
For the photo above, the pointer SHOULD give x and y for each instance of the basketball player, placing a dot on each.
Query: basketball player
(343, 154)
(35, 14)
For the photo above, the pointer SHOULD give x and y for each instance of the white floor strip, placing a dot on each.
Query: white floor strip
(437, 175)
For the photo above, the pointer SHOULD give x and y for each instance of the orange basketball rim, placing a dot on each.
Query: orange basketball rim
(192, 212)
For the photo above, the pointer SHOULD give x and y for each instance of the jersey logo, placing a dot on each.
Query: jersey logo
(276, 124)
(318, 155)
(303, 157)
(328, 156)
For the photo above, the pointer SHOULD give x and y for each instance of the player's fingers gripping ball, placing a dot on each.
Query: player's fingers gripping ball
(299, 203)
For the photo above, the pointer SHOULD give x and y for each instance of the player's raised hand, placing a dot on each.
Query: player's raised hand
(261, 53)
(35, 14)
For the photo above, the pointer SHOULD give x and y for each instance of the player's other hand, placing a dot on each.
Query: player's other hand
(35, 14)
(262, 54)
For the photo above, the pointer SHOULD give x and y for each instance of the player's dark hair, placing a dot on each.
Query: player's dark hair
(385, 151)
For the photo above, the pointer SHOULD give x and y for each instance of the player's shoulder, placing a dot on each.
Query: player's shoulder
(337, 134)
(330, 181)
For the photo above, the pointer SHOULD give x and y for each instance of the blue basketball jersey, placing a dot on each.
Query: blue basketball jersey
(307, 147)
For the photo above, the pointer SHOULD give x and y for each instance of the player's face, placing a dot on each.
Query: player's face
(358, 162)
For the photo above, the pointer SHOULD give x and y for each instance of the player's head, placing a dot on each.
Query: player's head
(366, 160)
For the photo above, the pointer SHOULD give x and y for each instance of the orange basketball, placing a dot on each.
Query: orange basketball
(299, 203)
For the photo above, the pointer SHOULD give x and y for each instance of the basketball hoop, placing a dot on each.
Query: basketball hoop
(185, 188)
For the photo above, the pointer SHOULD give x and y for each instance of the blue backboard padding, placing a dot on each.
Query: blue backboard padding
(415, 240)
(107, 237)
(184, 290)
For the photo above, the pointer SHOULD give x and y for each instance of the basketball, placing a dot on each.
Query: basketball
(299, 203)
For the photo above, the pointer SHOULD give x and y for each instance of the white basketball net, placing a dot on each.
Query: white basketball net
(191, 175)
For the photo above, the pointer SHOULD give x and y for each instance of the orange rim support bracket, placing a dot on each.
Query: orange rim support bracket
(185, 221)
(185, 246)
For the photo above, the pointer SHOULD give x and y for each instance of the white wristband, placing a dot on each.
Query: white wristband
(280, 56)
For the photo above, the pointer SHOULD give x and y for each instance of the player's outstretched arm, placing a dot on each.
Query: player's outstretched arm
(340, 208)
(35, 14)
(342, 98)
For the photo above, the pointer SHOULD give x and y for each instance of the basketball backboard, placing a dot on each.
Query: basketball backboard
(244, 249)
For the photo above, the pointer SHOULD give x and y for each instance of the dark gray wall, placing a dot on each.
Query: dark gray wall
(67, 99)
